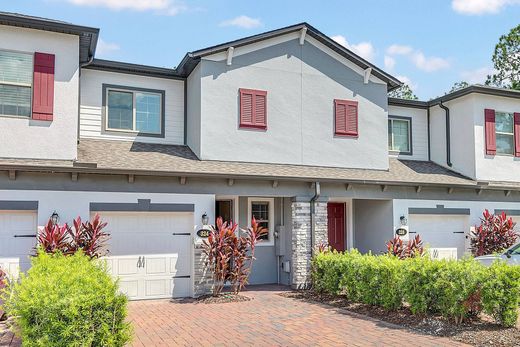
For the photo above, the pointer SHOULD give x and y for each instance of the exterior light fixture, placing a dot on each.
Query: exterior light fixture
(404, 221)
(55, 218)
(205, 219)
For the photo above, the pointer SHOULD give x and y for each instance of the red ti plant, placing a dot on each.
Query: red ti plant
(230, 257)
(494, 234)
(53, 238)
(411, 249)
(88, 237)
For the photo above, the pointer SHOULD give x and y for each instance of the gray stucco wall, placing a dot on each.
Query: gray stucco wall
(193, 110)
(372, 224)
(301, 83)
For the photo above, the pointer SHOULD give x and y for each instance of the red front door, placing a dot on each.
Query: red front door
(336, 225)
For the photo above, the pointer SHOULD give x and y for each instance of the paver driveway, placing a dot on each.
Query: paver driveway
(267, 320)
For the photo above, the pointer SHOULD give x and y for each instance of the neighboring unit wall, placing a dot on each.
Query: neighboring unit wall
(372, 224)
(26, 138)
(498, 167)
(193, 111)
(301, 83)
(461, 135)
(419, 119)
(91, 111)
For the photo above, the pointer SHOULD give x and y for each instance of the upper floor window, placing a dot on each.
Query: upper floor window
(16, 76)
(346, 118)
(253, 108)
(505, 134)
(134, 110)
(400, 135)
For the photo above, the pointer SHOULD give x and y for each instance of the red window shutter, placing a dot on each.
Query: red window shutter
(43, 86)
(517, 134)
(253, 108)
(346, 117)
(491, 142)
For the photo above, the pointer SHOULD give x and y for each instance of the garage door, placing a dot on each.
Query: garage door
(150, 253)
(441, 231)
(18, 236)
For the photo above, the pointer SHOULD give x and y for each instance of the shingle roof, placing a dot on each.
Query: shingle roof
(108, 156)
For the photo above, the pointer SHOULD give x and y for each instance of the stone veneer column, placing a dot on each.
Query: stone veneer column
(301, 239)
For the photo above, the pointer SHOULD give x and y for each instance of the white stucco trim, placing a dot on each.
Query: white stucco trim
(270, 241)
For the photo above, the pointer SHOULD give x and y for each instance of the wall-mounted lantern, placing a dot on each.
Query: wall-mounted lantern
(55, 218)
(205, 219)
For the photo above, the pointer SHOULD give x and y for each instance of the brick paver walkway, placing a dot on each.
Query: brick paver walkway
(267, 320)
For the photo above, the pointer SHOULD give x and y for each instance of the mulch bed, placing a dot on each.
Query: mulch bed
(222, 298)
(477, 332)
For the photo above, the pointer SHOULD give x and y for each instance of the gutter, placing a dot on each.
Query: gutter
(317, 192)
(429, 135)
(448, 135)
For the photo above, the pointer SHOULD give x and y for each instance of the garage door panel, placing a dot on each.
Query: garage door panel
(17, 223)
(441, 231)
(162, 243)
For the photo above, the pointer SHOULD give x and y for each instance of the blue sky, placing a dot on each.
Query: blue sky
(429, 44)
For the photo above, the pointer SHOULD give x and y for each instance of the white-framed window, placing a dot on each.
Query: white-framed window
(134, 111)
(400, 135)
(263, 211)
(16, 76)
(505, 135)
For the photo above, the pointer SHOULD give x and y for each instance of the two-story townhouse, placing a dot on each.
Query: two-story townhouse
(287, 126)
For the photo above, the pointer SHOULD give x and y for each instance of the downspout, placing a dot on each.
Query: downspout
(448, 141)
(81, 65)
(429, 140)
(317, 192)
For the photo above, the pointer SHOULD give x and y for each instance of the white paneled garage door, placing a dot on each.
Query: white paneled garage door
(150, 252)
(441, 231)
(18, 236)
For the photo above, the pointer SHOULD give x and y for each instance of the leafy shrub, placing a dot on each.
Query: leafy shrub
(230, 257)
(88, 237)
(501, 292)
(369, 279)
(494, 234)
(454, 289)
(412, 248)
(68, 301)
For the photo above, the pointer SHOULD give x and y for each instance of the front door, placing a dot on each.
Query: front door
(224, 209)
(336, 225)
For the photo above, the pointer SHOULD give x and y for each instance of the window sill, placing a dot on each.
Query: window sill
(131, 133)
(251, 126)
(15, 117)
(265, 244)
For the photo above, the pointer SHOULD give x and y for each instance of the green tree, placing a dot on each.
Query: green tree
(458, 85)
(506, 60)
(403, 92)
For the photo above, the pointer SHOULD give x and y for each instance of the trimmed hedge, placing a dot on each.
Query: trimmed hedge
(454, 289)
(68, 301)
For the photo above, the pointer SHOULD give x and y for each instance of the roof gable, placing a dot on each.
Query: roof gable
(191, 59)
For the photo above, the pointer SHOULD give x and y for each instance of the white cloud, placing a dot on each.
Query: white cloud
(399, 50)
(364, 49)
(243, 22)
(429, 64)
(477, 76)
(169, 7)
(422, 62)
(105, 48)
(389, 62)
(409, 82)
(478, 7)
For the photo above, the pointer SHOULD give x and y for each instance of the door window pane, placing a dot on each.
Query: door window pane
(120, 110)
(260, 210)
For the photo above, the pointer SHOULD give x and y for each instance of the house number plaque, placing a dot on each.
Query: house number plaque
(203, 233)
